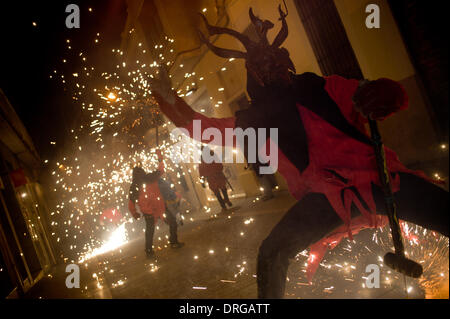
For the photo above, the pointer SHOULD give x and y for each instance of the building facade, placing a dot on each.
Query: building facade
(26, 251)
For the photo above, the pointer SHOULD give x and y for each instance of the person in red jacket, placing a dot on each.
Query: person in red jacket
(324, 151)
(145, 192)
(217, 182)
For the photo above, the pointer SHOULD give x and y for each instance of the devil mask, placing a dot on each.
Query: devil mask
(266, 63)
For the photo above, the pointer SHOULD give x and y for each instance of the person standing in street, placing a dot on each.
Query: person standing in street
(145, 192)
(213, 174)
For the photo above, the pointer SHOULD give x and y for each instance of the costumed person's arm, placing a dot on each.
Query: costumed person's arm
(180, 113)
(132, 209)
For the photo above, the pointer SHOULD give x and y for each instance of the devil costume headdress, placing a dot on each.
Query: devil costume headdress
(324, 152)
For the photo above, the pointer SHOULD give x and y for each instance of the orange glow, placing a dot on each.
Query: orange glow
(112, 96)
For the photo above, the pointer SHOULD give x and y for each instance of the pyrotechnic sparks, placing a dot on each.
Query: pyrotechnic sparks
(344, 267)
(115, 132)
(118, 238)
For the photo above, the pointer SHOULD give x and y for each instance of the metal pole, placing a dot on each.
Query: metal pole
(383, 173)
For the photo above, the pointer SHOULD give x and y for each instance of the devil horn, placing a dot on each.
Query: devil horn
(283, 14)
(256, 21)
(223, 53)
(213, 30)
(208, 26)
(283, 34)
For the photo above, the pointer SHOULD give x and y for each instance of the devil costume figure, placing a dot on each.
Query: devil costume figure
(324, 151)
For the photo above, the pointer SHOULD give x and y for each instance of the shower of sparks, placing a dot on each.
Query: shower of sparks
(342, 272)
(114, 132)
(118, 238)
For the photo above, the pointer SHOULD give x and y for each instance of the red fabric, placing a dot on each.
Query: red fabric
(331, 149)
(188, 116)
(18, 177)
(349, 158)
(112, 215)
(150, 200)
(213, 172)
(180, 114)
(317, 250)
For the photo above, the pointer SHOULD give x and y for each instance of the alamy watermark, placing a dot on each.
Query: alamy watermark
(73, 19)
(73, 279)
(373, 19)
(373, 279)
(261, 146)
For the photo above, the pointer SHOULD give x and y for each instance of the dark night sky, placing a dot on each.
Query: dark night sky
(30, 54)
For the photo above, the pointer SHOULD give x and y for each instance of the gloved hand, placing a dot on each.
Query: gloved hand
(161, 87)
(379, 99)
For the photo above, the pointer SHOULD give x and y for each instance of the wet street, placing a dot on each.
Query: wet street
(219, 261)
